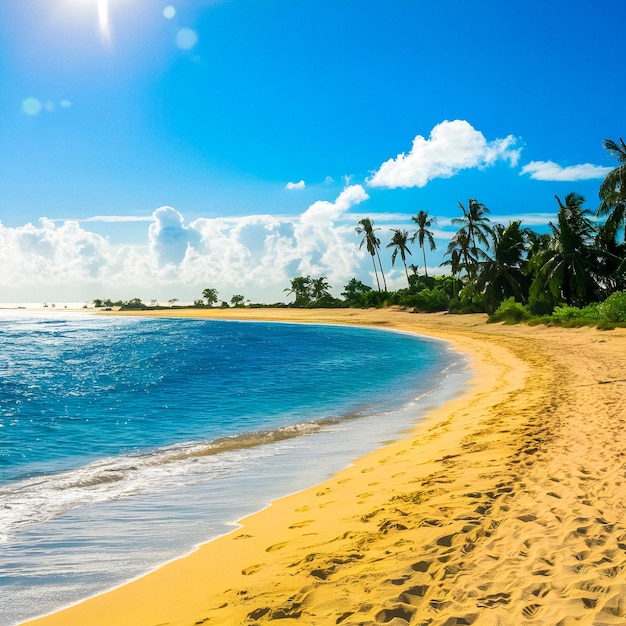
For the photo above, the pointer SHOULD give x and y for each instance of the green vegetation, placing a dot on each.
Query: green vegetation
(605, 315)
(573, 275)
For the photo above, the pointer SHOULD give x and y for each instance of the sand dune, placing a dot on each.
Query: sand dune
(506, 506)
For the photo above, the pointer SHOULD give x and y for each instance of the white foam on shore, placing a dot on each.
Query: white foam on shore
(104, 544)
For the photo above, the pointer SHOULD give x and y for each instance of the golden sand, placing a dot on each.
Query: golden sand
(506, 506)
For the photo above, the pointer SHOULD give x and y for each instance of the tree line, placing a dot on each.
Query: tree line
(579, 262)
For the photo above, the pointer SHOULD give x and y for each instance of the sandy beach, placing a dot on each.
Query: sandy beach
(505, 506)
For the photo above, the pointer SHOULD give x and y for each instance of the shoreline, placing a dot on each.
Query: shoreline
(482, 510)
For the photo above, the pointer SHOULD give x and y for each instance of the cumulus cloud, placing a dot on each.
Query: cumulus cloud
(255, 255)
(169, 238)
(549, 170)
(47, 254)
(298, 185)
(451, 147)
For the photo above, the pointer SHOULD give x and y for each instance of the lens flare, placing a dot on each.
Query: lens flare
(104, 24)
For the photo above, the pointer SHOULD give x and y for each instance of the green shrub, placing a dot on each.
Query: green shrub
(566, 313)
(468, 301)
(613, 309)
(542, 304)
(510, 312)
(425, 301)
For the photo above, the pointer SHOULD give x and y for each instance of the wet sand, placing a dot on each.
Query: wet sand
(505, 506)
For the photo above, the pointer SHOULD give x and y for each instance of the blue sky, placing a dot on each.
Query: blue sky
(154, 148)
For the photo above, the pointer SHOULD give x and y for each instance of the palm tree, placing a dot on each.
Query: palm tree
(474, 230)
(366, 228)
(570, 265)
(460, 252)
(501, 276)
(455, 263)
(301, 289)
(422, 234)
(398, 243)
(613, 189)
(210, 295)
(613, 262)
(319, 288)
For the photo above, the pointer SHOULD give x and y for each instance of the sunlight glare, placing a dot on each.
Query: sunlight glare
(103, 21)
(103, 17)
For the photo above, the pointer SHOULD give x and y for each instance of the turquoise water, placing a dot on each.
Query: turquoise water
(125, 442)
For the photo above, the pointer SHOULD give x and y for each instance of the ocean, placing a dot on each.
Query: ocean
(127, 442)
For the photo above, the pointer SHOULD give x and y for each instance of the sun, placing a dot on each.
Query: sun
(104, 22)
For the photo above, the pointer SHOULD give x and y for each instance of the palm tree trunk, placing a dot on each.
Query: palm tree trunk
(375, 272)
(425, 268)
(381, 270)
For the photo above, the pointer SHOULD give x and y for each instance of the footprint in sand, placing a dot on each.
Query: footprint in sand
(302, 524)
(325, 504)
(276, 546)
(252, 569)
(494, 599)
(530, 610)
(401, 612)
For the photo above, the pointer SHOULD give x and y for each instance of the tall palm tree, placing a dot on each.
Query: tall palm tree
(454, 262)
(613, 189)
(460, 251)
(475, 230)
(398, 243)
(501, 276)
(613, 263)
(372, 242)
(570, 265)
(422, 234)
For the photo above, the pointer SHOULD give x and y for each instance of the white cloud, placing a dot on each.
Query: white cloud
(549, 170)
(299, 185)
(169, 238)
(255, 255)
(451, 147)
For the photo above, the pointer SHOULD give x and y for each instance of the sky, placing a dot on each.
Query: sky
(155, 148)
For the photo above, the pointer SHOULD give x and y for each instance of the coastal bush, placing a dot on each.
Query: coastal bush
(510, 312)
(613, 309)
(468, 301)
(566, 313)
(572, 316)
(426, 300)
(541, 304)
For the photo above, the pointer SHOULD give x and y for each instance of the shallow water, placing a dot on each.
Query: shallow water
(127, 442)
